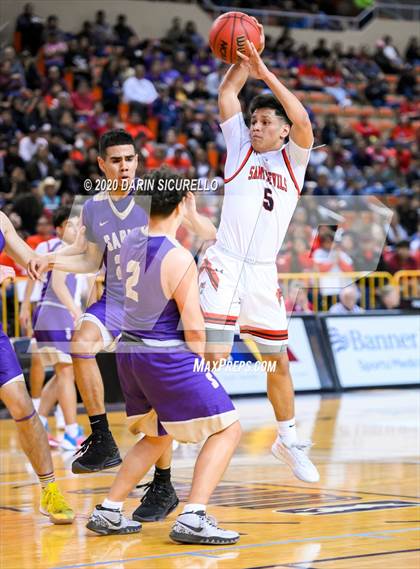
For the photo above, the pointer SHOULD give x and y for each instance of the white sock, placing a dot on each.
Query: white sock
(58, 411)
(72, 430)
(36, 401)
(44, 421)
(188, 508)
(287, 431)
(112, 505)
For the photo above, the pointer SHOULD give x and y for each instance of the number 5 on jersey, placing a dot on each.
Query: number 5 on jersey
(268, 202)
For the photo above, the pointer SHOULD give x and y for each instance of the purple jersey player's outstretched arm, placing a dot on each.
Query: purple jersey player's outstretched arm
(15, 246)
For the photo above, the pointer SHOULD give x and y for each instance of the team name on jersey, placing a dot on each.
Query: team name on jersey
(260, 173)
(115, 239)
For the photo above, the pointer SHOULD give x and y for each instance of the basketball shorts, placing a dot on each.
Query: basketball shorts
(53, 328)
(235, 293)
(167, 391)
(107, 315)
(10, 369)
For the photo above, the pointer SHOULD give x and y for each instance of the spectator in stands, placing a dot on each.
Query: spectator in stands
(391, 53)
(101, 30)
(174, 34)
(41, 165)
(407, 83)
(389, 298)
(52, 27)
(55, 50)
(333, 80)
(329, 259)
(376, 90)
(82, 99)
(139, 91)
(297, 299)
(403, 132)
(331, 129)
(366, 128)
(396, 231)
(70, 180)
(122, 32)
(412, 51)
(401, 259)
(324, 186)
(180, 160)
(348, 301)
(29, 144)
(321, 51)
(50, 199)
(44, 231)
(30, 29)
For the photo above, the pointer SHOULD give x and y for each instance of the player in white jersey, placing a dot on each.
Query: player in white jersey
(264, 175)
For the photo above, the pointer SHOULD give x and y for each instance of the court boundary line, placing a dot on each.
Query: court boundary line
(208, 552)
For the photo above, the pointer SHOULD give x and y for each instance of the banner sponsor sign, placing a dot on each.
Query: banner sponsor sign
(375, 350)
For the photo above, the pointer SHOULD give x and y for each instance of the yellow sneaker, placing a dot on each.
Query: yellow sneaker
(54, 505)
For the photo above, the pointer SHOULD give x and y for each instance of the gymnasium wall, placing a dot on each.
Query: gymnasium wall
(152, 19)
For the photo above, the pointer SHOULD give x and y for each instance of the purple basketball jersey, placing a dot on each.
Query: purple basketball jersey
(147, 311)
(48, 295)
(107, 225)
(9, 365)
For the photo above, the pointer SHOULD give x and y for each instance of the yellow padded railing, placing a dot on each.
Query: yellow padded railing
(369, 283)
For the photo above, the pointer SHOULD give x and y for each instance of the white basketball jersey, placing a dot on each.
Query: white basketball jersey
(261, 193)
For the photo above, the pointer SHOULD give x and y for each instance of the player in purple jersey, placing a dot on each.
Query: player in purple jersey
(166, 396)
(53, 326)
(108, 218)
(15, 396)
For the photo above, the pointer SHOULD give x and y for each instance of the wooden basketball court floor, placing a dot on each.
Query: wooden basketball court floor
(362, 514)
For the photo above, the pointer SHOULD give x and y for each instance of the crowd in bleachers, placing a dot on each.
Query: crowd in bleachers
(59, 92)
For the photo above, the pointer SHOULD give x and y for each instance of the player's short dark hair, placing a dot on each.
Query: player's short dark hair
(164, 200)
(269, 102)
(116, 137)
(61, 215)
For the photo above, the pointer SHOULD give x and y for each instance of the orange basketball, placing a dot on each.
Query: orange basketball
(229, 33)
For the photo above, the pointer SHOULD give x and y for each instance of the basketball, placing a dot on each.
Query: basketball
(229, 33)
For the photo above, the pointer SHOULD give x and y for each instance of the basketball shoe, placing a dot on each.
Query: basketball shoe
(55, 506)
(197, 527)
(295, 457)
(110, 522)
(72, 443)
(158, 502)
(98, 452)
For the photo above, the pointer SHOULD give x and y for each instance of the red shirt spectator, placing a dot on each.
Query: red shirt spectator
(44, 231)
(401, 259)
(82, 99)
(179, 161)
(403, 132)
(365, 128)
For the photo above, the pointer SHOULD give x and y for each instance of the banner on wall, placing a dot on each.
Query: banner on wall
(375, 350)
(243, 374)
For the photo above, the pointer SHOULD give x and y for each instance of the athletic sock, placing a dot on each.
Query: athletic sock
(188, 508)
(110, 505)
(46, 479)
(36, 401)
(44, 421)
(99, 422)
(162, 475)
(287, 431)
(72, 430)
